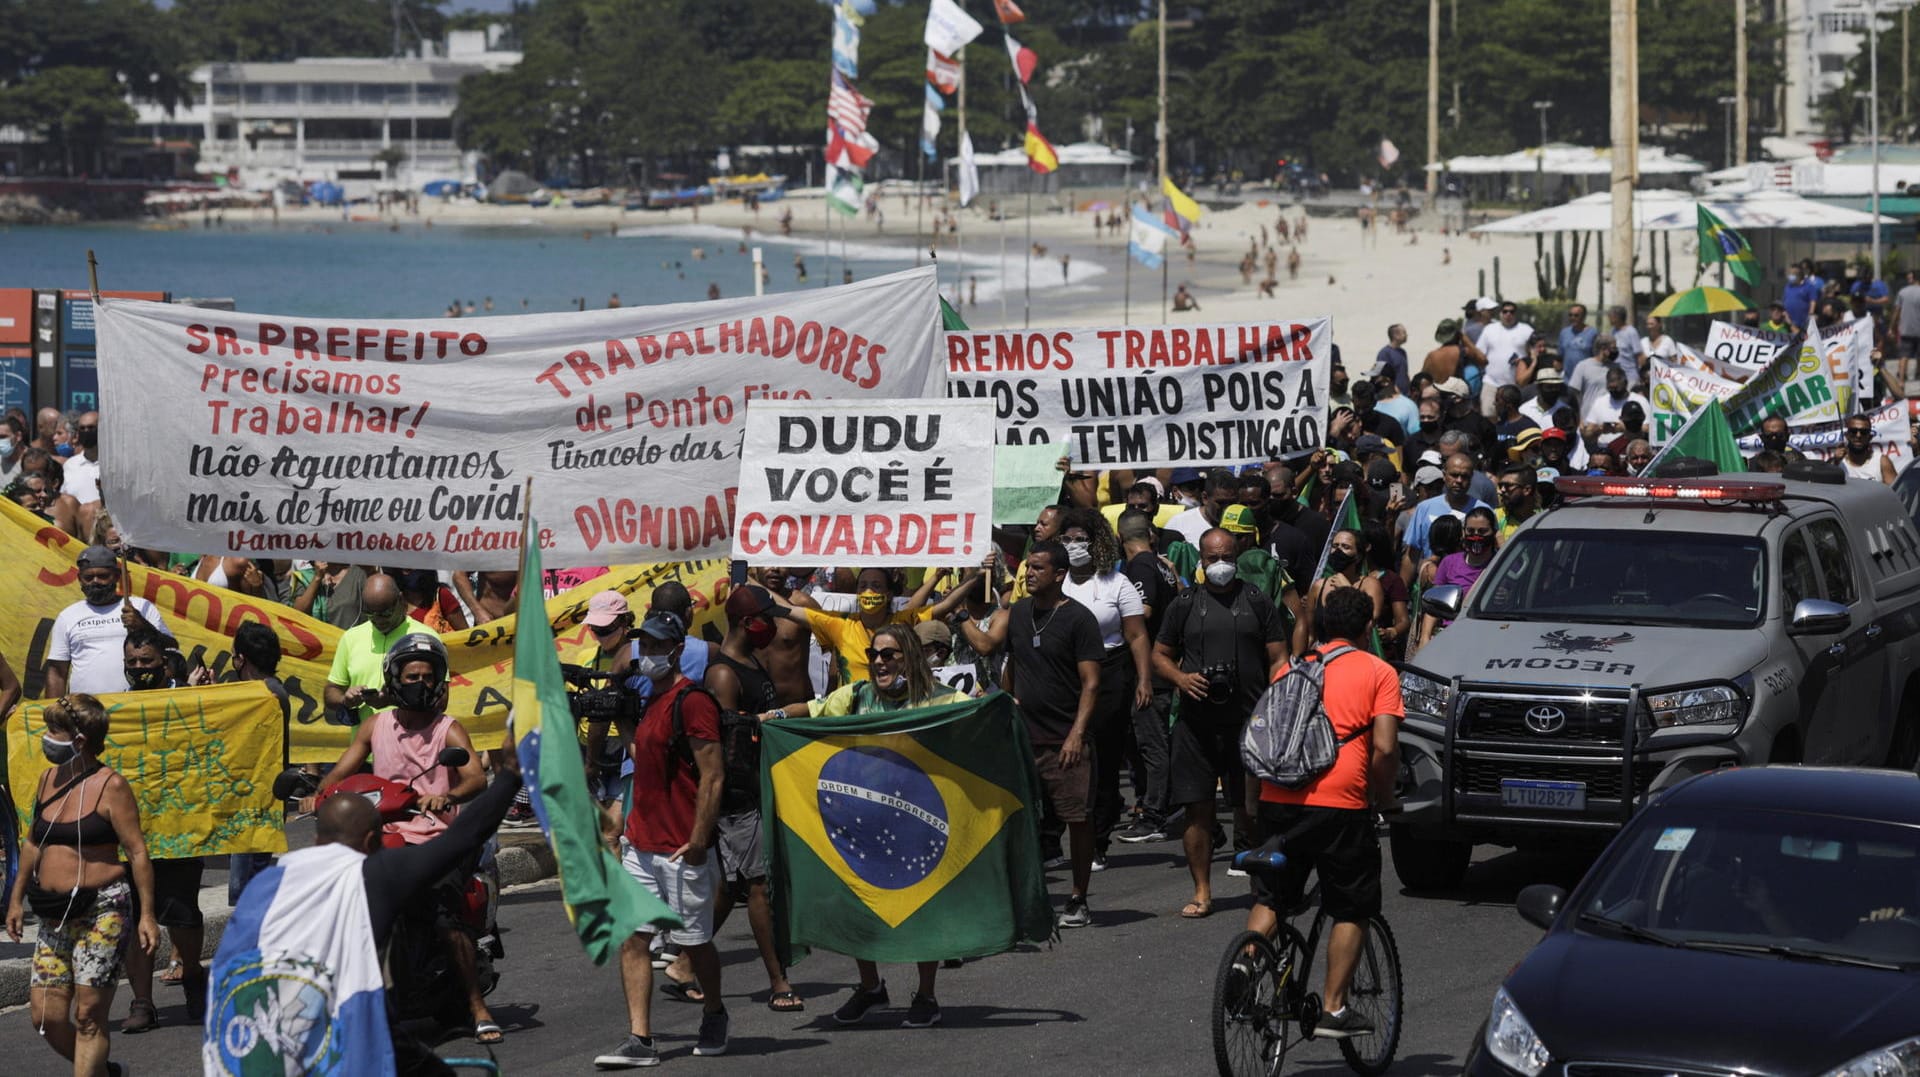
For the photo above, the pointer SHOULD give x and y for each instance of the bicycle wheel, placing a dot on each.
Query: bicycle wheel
(1375, 994)
(1249, 1034)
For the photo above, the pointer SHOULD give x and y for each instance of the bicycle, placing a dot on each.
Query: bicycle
(1262, 1004)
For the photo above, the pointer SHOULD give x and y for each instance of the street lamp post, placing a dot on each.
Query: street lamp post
(1873, 120)
(1540, 163)
(1726, 107)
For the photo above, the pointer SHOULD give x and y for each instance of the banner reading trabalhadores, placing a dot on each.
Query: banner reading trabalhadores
(409, 442)
(1153, 396)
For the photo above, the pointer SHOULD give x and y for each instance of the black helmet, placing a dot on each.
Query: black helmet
(415, 647)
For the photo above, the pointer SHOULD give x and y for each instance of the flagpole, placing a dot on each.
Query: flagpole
(1026, 309)
(1003, 266)
(1163, 287)
(920, 206)
(960, 231)
(1126, 290)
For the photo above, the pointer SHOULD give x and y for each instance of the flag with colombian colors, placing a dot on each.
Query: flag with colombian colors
(904, 835)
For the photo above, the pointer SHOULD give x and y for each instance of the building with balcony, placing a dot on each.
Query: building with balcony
(1820, 38)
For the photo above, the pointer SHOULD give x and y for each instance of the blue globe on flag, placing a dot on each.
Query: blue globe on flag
(883, 815)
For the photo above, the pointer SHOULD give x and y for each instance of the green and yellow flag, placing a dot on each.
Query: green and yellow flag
(905, 835)
(605, 904)
(1718, 243)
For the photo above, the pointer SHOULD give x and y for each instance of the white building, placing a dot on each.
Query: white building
(330, 118)
(1821, 38)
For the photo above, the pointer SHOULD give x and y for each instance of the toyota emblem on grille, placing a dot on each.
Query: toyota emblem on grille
(1546, 720)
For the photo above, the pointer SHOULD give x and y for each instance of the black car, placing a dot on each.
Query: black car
(1750, 921)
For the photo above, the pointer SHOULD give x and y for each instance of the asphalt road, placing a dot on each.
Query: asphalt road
(1126, 996)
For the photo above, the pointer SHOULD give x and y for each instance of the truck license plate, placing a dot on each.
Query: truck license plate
(1553, 796)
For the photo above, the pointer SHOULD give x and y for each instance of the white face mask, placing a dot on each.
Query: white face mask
(1222, 573)
(1079, 554)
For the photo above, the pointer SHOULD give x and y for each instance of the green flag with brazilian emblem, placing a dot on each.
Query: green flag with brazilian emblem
(908, 835)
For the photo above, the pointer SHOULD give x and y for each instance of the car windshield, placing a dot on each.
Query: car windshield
(1811, 887)
(1607, 577)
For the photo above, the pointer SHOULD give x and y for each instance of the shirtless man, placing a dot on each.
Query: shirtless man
(787, 657)
(493, 599)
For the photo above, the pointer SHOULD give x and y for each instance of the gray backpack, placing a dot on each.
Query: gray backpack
(1289, 740)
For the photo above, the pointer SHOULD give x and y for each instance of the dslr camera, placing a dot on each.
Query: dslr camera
(1223, 682)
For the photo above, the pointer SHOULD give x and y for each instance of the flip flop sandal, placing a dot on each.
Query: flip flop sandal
(682, 992)
(174, 974)
(1204, 911)
(487, 1032)
(797, 1004)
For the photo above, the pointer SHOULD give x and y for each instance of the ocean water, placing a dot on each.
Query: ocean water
(367, 270)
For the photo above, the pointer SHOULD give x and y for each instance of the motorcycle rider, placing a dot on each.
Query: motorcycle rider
(405, 743)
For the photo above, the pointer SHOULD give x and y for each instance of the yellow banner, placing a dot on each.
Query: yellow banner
(201, 762)
(203, 619)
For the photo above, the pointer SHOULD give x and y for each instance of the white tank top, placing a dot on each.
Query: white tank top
(1869, 470)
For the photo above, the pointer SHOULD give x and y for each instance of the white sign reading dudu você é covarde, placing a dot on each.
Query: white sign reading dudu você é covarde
(891, 483)
(409, 442)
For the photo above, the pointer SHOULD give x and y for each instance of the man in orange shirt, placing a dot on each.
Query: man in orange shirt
(1329, 825)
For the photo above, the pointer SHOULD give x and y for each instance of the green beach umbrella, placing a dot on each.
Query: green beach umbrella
(1701, 301)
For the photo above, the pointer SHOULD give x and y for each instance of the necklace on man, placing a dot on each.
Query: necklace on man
(1042, 627)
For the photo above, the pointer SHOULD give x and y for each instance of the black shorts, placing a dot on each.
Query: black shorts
(1909, 347)
(176, 893)
(1340, 843)
(1201, 756)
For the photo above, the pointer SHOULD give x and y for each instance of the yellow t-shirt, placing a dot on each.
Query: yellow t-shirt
(847, 699)
(848, 638)
(1161, 514)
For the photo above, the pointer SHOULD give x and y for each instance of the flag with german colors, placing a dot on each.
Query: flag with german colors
(905, 835)
(605, 904)
(1718, 243)
(1040, 155)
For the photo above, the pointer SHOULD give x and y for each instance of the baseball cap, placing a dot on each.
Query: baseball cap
(1382, 471)
(605, 608)
(1149, 480)
(1433, 457)
(664, 625)
(1453, 386)
(1485, 303)
(1428, 475)
(1184, 475)
(1554, 433)
(934, 631)
(1367, 443)
(98, 557)
(1548, 373)
(748, 601)
(1238, 519)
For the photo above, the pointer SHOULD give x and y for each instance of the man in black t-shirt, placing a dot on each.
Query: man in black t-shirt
(1054, 649)
(1280, 536)
(1155, 581)
(1219, 646)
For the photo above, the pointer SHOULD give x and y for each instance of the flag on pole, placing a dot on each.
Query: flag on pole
(849, 151)
(950, 319)
(846, 40)
(949, 28)
(930, 122)
(943, 71)
(969, 171)
(1009, 12)
(1706, 435)
(605, 904)
(846, 106)
(1186, 207)
(1040, 153)
(844, 188)
(1718, 243)
(1389, 153)
(1147, 240)
(1024, 59)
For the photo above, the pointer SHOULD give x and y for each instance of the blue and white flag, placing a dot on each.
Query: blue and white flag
(1147, 241)
(930, 121)
(296, 985)
(846, 40)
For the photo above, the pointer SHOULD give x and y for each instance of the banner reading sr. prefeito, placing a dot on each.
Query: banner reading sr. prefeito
(1153, 396)
(409, 442)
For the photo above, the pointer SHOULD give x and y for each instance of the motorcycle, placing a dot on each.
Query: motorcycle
(425, 982)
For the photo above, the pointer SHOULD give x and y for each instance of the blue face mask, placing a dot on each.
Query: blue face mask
(61, 448)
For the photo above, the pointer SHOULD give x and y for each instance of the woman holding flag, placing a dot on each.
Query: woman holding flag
(1346, 566)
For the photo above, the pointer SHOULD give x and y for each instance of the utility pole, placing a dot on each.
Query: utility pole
(1540, 162)
(1624, 121)
(1873, 121)
(1161, 133)
(1433, 99)
(1740, 82)
(1726, 110)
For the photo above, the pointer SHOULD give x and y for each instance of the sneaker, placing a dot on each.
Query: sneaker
(855, 1009)
(632, 1054)
(1341, 1026)
(666, 955)
(1141, 834)
(713, 1035)
(923, 1012)
(1235, 872)
(1099, 864)
(1076, 914)
(519, 817)
(1057, 860)
(1236, 986)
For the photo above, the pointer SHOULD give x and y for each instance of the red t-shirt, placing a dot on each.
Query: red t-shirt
(662, 817)
(1357, 687)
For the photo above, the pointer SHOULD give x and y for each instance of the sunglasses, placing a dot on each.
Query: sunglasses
(891, 654)
(605, 630)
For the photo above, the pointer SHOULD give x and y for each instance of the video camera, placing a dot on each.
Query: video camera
(598, 697)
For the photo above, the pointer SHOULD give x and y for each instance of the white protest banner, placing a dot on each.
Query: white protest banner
(964, 679)
(1849, 350)
(1890, 431)
(1741, 351)
(892, 483)
(1153, 397)
(1797, 385)
(1679, 390)
(409, 442)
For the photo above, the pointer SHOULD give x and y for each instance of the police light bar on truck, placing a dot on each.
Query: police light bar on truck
(1671, 489)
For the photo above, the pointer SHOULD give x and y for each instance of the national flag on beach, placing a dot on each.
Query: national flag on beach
(846, 40)
(1389, 153)
(969, 170)
(1147, 240)
(844, 188)
(1009, 12)
(849, 151)
(846, 106)
(1024, 59)
(949, 27)
(943, 71)
(904, 836)
(1718, 243)
(930, 122)
(1183, 205)
(1040, 153)
(605, 904)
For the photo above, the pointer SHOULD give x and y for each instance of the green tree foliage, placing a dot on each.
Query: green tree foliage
(280, 30)
(76, 107)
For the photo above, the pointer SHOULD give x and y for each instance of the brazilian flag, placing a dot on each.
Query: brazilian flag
(605, 904)
(907, 835)
(1718, 243)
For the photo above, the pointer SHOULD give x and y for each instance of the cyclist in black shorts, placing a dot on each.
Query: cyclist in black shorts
(1329, 825)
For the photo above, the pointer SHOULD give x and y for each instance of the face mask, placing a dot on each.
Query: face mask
(1222, 573)
(1793, 278)
(1079, 554)
(893, 687)
(141, 680)
(1338, 560)
(6, 446)
(760, 633)
(1776, 442)
(653, 667)
(61, 448)
(416, 696)
(88, 438)
(1475, 545)
(59, 751)
(1429, 424)
(98, 594)
(872, 601)
(1187, 501)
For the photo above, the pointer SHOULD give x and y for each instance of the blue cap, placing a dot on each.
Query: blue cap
(1187, 474)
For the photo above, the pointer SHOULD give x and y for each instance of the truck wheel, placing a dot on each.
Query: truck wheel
(1428, 863)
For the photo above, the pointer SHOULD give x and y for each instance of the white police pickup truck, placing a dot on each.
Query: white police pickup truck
(1646, 630)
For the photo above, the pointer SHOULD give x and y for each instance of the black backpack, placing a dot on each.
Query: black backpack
(739, 751)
